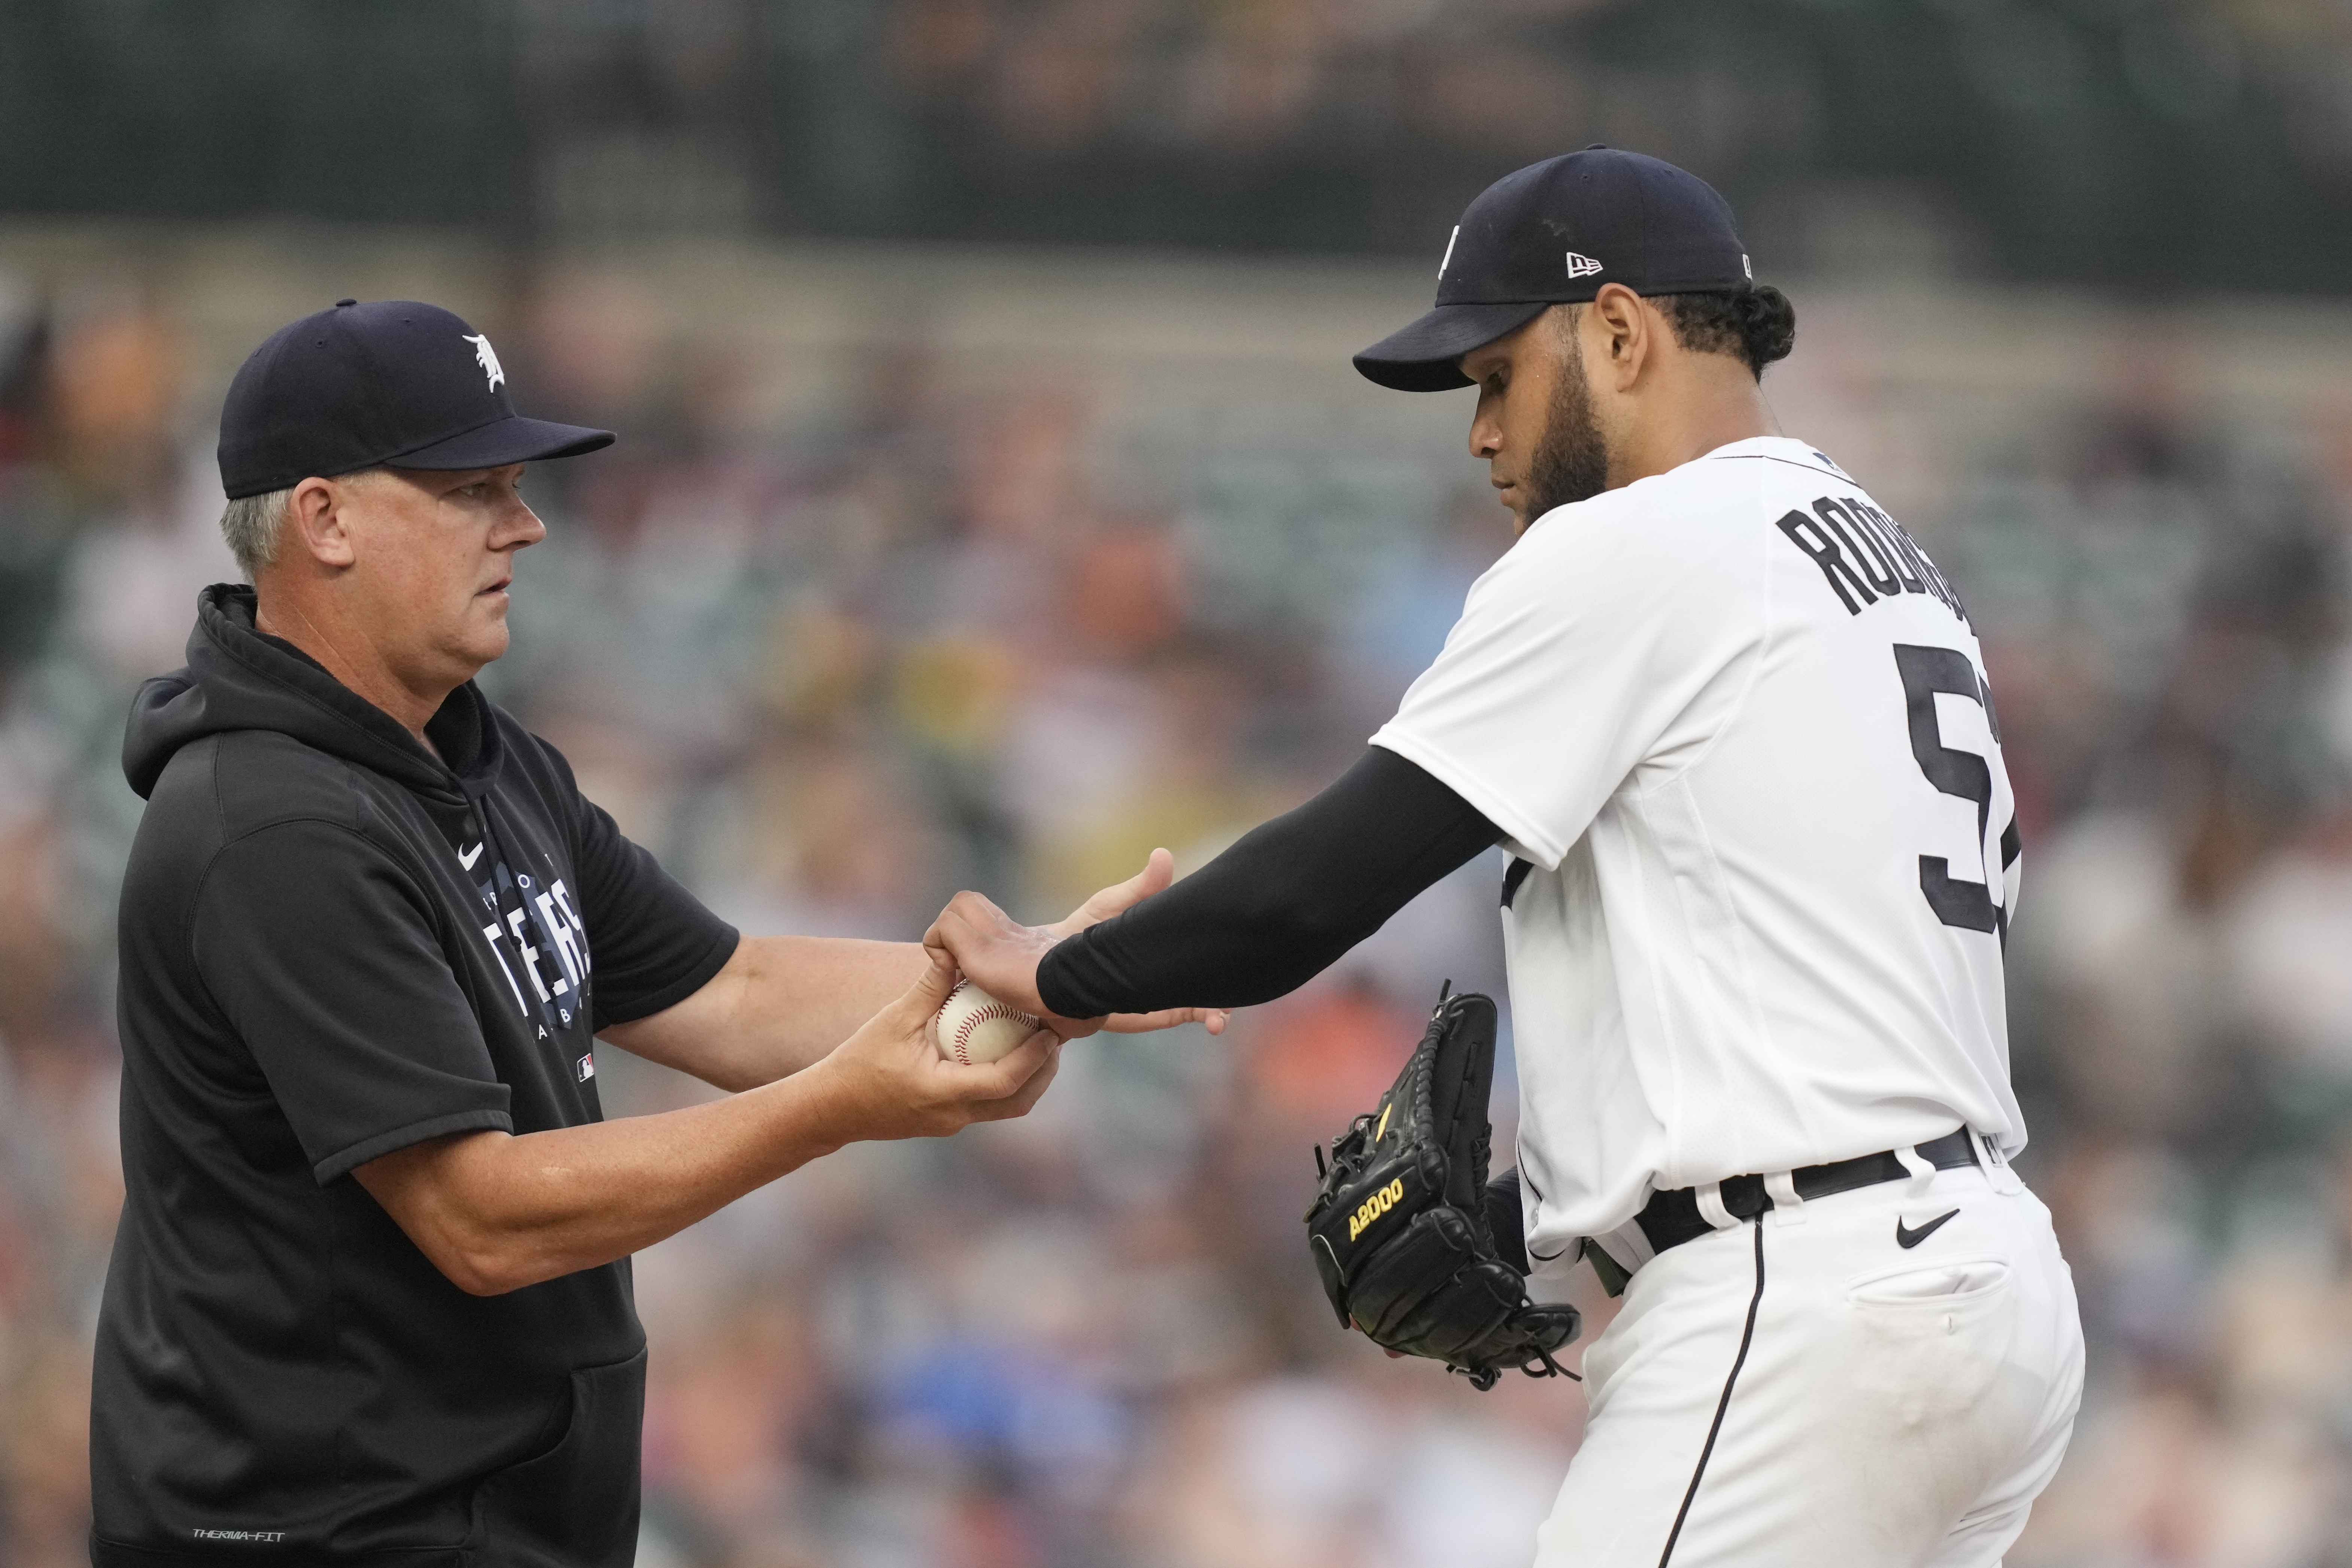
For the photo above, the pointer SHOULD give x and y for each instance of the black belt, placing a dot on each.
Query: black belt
(1669, 1219)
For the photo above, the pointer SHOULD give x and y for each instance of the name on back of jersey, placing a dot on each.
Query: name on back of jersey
(1865, 555)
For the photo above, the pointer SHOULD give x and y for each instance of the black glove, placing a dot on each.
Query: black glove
(1400, 1231)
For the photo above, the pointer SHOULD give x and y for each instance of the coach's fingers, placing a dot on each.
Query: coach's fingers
(985, 1083)
(898, 1037)
(1022, 1101)
(916, 1007)
(888, 1079)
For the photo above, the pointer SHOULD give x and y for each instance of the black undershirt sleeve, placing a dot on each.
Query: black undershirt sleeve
(1280, 906)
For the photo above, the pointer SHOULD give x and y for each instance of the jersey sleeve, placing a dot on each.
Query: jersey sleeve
(325, 959)
(652, 944)
(1614, 634)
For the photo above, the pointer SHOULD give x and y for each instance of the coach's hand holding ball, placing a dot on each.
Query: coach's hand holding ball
(890, 1080)
(973, 1027)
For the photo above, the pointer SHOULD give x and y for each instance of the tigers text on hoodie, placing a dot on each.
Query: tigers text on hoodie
(335, 944)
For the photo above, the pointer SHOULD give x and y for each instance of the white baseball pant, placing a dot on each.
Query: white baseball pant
(1892, 1407)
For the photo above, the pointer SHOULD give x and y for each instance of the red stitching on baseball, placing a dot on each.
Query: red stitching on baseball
(993, 1010)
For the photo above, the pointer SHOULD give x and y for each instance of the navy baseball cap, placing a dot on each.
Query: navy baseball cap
(1556, 231)
(391, 383)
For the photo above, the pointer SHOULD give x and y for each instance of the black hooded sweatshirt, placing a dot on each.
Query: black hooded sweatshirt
(335, 944)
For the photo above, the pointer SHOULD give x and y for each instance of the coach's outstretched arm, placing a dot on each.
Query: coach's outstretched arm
(1260, 919)
(783, 1002)
(495, 1212)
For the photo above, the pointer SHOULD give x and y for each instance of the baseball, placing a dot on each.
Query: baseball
(971, 1027)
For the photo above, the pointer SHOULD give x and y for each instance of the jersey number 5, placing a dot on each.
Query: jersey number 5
(1927, 671)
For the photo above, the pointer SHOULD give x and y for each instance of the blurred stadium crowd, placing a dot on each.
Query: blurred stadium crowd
(2108, 142)
(921, 570)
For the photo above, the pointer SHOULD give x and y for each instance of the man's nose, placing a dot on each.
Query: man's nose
(522, 528)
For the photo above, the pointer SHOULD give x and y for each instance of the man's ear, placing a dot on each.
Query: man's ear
(1619, 332)
(315, 524)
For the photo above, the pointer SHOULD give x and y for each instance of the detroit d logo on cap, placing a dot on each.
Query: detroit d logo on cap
(487, 357)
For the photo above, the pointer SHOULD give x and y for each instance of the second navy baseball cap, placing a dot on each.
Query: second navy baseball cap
(1554, 232)
(391, 383)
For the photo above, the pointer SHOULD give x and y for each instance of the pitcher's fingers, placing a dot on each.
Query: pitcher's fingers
(935, 939)
(968, 916)
(1159, 871)
(1211, 1018)
(1068, 1029)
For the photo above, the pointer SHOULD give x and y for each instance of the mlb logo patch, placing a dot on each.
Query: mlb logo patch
(586, 1067)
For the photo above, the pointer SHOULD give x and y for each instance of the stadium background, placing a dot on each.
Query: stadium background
(993, 502)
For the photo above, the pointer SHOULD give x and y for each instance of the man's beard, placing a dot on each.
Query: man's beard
(1572, 462)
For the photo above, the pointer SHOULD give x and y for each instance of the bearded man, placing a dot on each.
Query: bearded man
(1733, 726)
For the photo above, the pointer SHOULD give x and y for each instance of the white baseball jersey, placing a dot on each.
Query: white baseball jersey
(1737, 727)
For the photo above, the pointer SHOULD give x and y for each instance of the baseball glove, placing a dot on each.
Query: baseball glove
(1400, 1231)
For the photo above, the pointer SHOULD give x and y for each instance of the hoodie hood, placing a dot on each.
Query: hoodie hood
(238, 678)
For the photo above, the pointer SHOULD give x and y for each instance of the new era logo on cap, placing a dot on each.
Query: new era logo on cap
(1538, 237)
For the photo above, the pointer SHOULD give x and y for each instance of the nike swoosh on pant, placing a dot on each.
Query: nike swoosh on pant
(1906, 1237)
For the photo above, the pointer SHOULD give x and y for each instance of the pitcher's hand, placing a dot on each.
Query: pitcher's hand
(1001, 956)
